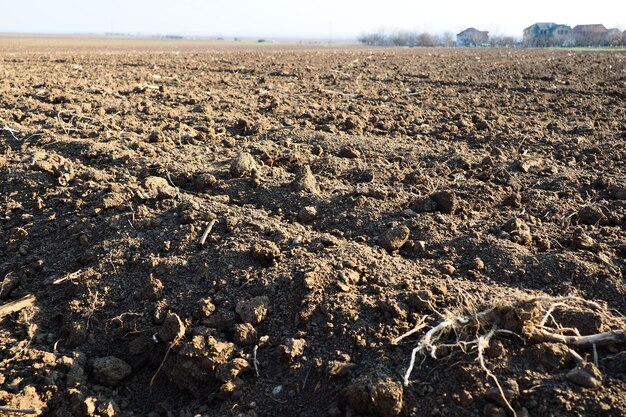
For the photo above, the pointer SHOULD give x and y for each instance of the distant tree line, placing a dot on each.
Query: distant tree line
(424, 39)
(406, 38)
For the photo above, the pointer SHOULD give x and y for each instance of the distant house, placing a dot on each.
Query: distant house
(472, 37)
(548, 34)
(590, 35)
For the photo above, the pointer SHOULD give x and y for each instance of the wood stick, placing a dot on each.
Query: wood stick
(207, 231)
(17, 305)
(18, 410)
(600, 339)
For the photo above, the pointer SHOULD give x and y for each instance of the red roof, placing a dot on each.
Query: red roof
(589, 29)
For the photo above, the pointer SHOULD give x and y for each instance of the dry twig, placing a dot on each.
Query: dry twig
(17, 410)
(172, 344)
(17, 305)
(207, 231)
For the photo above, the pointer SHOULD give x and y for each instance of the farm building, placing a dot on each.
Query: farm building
(472, 37)
(548, 34)
(590, 35)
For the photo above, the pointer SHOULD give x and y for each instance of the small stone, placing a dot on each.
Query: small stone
(305, 181)
(244, 334)
(311, 279)
(524, 166)
(519, 231)
(393, 239)
(292, 349)
(139, 345)
(307, 214)
(586, 375)
(440, 288)
(317, 150)
(334, 411)
(204, 181)
(510, 389)
(222, 319)
(75, 376)
(265, 252)
(495, 349)
(492, 410)
(591, 215)
(423, 205)
(513, 200)
(339, 369)
(89, 406)
(10, 282)
(253, 310)
(522, 412)
(420, 300)
(110, 370)
(349, 152)
(156, 137)
(203, 108)
(230, 387)
(446, 201)
(487, 161)
(218, 352)
(159, 188)
(108, 408)
(478, 264)
(172, 328)
(448, 269)
(243, 165)
(153, 290)
(379, 396)
(77, 334)
(83, 239)
(419, 247)
(581, 240)
(231, 370)
(550, 355)
(206, 307)
(349, 276)
(618, 192)
(353, 123)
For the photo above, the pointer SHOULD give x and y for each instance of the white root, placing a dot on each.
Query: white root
(12, 132)
(483, 342)
(255, 361)
(534, 328)
(419, 326)
(426, 343)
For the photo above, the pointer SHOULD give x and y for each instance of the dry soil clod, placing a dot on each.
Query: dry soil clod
(393, 239)
(243, 165)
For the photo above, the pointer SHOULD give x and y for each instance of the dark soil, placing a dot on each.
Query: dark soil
(353, 191)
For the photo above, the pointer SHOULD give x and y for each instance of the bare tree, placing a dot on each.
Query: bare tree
(426, 39)
(503, 41)
(447, 39)
(400, 38)
(616, 37)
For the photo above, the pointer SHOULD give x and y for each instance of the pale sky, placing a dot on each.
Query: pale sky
(298, 19)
